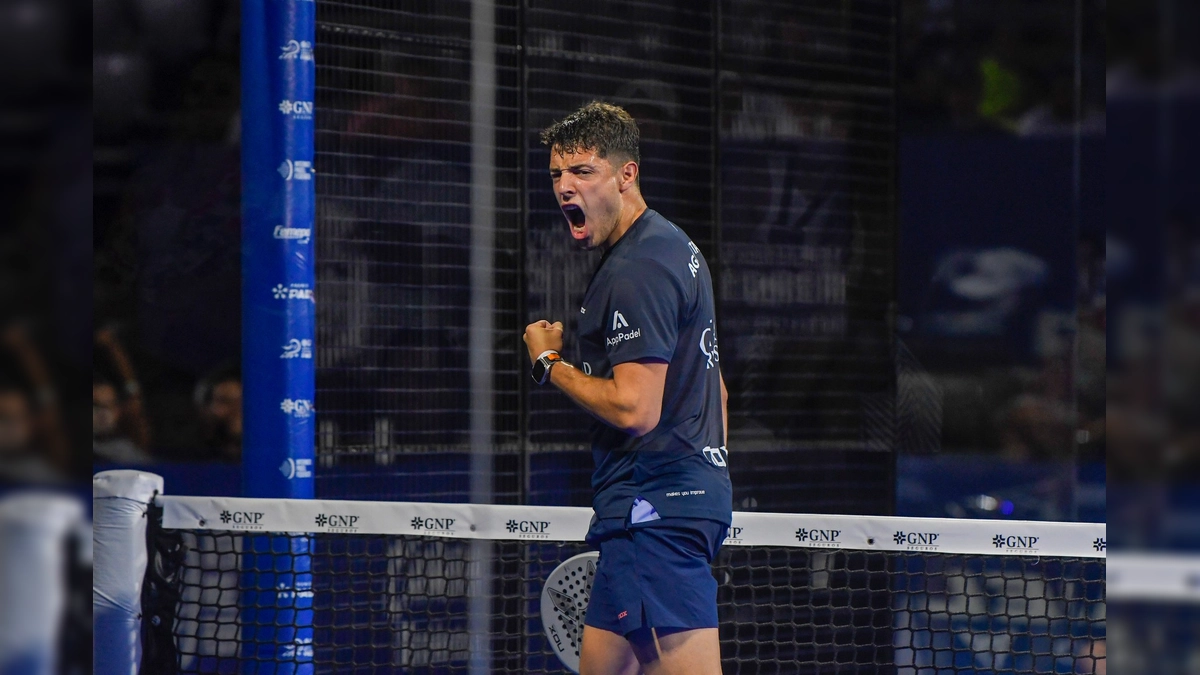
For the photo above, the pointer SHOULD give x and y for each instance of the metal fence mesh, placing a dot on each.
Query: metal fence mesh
(768, 136)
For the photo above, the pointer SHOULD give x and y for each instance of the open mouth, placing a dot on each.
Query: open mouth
(576, 218)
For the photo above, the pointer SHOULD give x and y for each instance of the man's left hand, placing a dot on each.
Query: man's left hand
(543, 335)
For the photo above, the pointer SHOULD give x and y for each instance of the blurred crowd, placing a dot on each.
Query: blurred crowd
(161, 199)
(1002, 67)
(167, 121)
(166, 290)
(122, 434)
(45, 201)
(991, 70)
(167, 220)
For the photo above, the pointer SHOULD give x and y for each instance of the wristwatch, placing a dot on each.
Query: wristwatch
(541, 367)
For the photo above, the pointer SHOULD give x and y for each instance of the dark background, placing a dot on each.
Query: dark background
(984, 92)
(901, 211)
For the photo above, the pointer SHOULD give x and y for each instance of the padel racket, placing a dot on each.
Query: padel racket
(564, 604)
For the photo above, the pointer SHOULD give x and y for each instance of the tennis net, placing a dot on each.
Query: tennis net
(311, 586)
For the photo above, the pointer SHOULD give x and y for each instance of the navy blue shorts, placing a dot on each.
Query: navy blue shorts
(656, 576)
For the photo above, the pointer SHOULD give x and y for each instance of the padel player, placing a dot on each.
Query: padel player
(651, 377)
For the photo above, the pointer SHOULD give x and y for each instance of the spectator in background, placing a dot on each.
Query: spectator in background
(1056, 114)
(34, 447)
(21, 461)
(966, 100)
(219, 404)
(109, 442)
(130, 417)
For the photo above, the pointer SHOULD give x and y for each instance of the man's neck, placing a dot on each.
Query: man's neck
(631, 210)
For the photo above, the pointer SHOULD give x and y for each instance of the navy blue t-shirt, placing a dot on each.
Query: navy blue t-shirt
(652, 299)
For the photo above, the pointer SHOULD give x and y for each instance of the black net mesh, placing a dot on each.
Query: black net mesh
(398, 604)
(768, 136)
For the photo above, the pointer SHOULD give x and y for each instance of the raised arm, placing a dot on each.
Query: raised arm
(630, 401)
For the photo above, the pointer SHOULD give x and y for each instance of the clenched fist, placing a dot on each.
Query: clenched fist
(543, 335)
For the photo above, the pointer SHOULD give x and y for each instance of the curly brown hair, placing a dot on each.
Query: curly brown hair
(598, 126)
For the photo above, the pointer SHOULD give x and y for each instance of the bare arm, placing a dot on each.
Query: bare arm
(631, 401)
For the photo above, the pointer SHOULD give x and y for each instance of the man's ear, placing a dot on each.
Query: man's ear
(629, 175)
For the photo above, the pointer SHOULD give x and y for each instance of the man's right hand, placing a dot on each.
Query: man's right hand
(543, 335)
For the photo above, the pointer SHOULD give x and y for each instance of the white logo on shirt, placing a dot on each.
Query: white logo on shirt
(620, 337)
(716, 455)
(619, 321)
(708, 345)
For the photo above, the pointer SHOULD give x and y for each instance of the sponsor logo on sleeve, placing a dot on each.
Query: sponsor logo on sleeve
(299, 408)
(819, 538)
(622, 337)
(619, 322)
(529, 529)
(337, 522)
(297, 291)
(243, 520)
(1015, 543)
(297, 349)
(917, 541)
(433, 526)
(296, 50)
(694, 263)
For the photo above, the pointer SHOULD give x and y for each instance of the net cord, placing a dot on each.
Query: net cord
(1154, 577)
(498, 522)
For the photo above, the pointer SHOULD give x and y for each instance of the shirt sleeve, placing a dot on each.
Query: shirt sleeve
(644, 309)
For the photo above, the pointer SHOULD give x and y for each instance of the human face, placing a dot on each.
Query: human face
(226, 405)
(104, 410)
(16, 423)
(588, 189)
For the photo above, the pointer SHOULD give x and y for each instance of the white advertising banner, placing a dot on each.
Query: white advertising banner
(559, 523)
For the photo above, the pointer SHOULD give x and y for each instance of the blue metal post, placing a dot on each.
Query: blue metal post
(279, 323)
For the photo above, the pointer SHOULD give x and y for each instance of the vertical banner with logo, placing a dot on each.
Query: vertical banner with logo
(278, 323)
(278, 199)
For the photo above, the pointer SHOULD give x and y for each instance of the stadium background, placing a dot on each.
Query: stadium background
(971, 402)
(871, 325)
